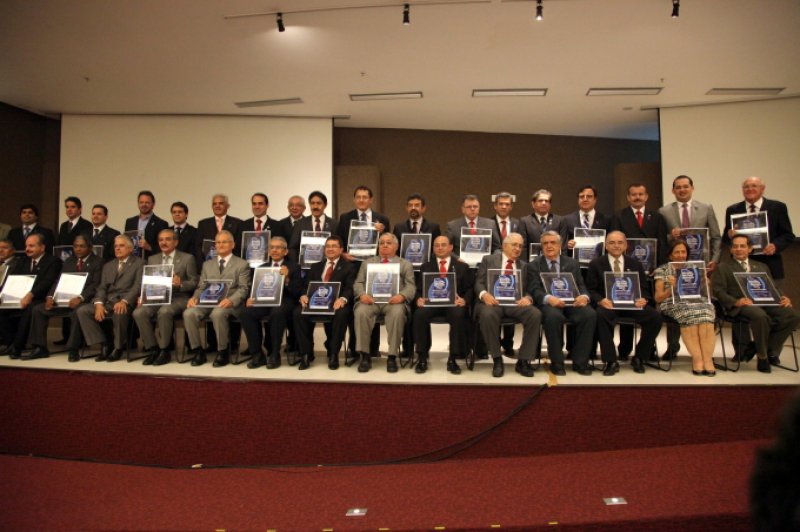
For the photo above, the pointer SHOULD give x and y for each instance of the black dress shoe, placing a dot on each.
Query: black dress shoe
(38, 352)
(557, 369)
(273, 362)
(582, 370)
(164, 357)
(391, 364)
(508, 351)
(222, 359)
(498, 368)
(422, 365)
(638, 365)
(333, 361)
(763, 366)
(115, 355)
(524, 368)
(375, 354)
(105, 352)
(257, 361)
(199, 357)
(773, 360)
(13, 352)
(305, 362)
(73, 356)
(669, 354)
(611, 369)
(152, 354)
(366, 363)
(452, 365)
(747, 353)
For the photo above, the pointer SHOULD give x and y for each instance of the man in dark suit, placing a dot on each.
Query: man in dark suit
(318, 221)
(362, 199)
(648, 318)
(147, 222)
(457, 316)
(120, 282)
(586, 216)
(279, 316)
(296, 207)
(335, 270)
(29, 216)
(771, 326)
(207, 228)
(75, 224)
(471, 208)
(46, 268)
(81, 261)
(532, 226)
(187, 233)
(259, 204)
(416, 222)
(555, 312)
(184, 281)
(489, 310)
(102, 234)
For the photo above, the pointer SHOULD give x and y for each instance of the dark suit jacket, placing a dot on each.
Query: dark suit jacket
(17, 238)
(346, 218)
(496, 262)
(512, 227)
(724, 285)
(531, 229)
(286, 226)
(117, 286)
(596, 280)
(66, 236)
(344, 272)
(307, 224)
(536, 287)
(426, 227)
(654, 226)
(47, 271)
(273, 226)
(573, 220)
(464, 278)
(105, 238)
(187, 241)
(294, 288)
(92, 265)
(780, 231)
(154, 226)
(454, 231)
(207, 230)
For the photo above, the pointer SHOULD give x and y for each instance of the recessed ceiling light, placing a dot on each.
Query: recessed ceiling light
(265, 103)
(624, 91)
(745, 91)
(386, 96)
(478, 93)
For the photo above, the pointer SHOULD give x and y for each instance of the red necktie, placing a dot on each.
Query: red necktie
(328, 272)
(472, 228)
(317, 227)
(442, 268)
(503, 232)
(80, 265)
(385, 261)
(685, 216)
(509, 267)
(258, 225)
(639, 219)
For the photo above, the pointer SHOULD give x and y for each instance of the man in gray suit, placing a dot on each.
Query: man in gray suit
(224, 266)
(394, 309)
(471, 208)
(119, 287)
(184, 281)
(533, 226)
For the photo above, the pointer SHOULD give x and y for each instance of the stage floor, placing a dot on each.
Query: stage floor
(680, 374)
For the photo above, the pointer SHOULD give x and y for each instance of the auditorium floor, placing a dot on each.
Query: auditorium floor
(680, 375)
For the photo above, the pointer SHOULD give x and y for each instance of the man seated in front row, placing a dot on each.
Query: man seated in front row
(457, 316)
(648, 318)
(120, 282)
(556, 311)
(771, 326)
(333, 269)
(81, 261)
(394, 307)
(225, 266)
(184, 281)
(503, 299)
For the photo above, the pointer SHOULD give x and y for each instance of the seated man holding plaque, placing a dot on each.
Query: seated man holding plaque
(61, 301)
(273, 296)
(334, 270)
(771, 321)
(562, 298)
(629, 298)
(155, 303)
(445, 289)
(384, 286)
(501, 291)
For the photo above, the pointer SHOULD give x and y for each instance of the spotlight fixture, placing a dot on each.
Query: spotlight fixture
(279, 21)
(539, 10)
(406, 10)
(676, 7)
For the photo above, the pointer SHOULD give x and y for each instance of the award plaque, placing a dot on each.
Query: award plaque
(474, 245)
(157, 284)
(561, 285)
(505, 287)
(362, 241)
(63, 252)
(696, 239)
(209, 249)
(321, 297)
(69, 285)
(312, 247)
(214, 292)
(267, 288)
(98, 251)
(534, 250)
(623, 290)
(255, 245)
(643, 251)
(754, 225)
(383, 280)
(439, 289)
(691, 282)
(14, 289)
(416, 248)
(759, 288)
(589, 243)
(136, 236)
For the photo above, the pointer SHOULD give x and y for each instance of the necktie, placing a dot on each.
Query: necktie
(165, 259)
(685, 216)
(752, 207)
(639, 219)
(472, 228)
(71, 226)
(178, 231)
(442, 268)
(554, 266)
(33, 266)
(586, 221)
(413, 227)
(543, 221)
(26, 231)
(385, 261)
(509, 267)
(258, 225)
(275, 264)
(363, 217)
(219, 224)
(120, 266)
(503, 230)
(80, 265)
(221, 265)
(96, 232)
(328, 272)
(617, 267)
(744, 265)
(317, 227)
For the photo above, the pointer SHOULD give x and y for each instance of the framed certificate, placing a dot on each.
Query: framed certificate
(506, 287)
(697, 241)
(758, 287)
(534, 250)
(254, 247)
(362, 241)
(215, 291)
(267, 288)
(14, 289)
(136, 236)
(63, 252)
(383, 281)
(209, 250)
(474, 245)
(754, 225)
(416, 248)
(157, 284)
(321, 297)
(439, 289)
(644, 251)
(589, 243)
(623, 289)
(312, 247)
(561, 285)
(69, 285)
(691, 282)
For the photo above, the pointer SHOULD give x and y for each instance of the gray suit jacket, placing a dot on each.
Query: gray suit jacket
(454, 231)
(185, 267)
(117, 286)
(724, 285)
(700, 215)
(236, 269)
(408, 288)
(496, 262)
